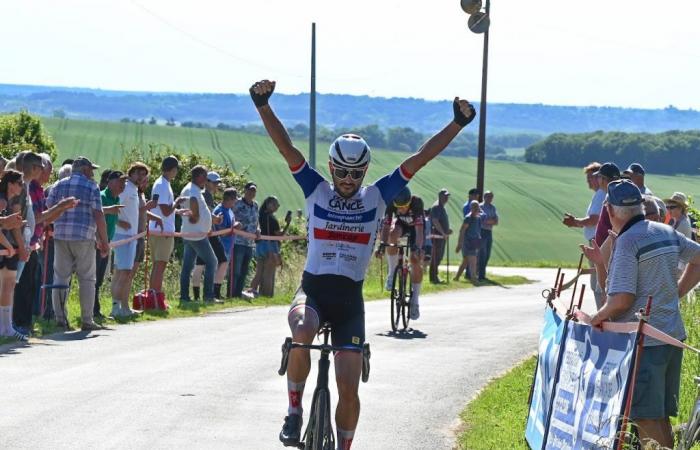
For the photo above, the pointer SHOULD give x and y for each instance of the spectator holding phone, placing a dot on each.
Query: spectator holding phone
(145, 216)
(125, 254)
(10, 188)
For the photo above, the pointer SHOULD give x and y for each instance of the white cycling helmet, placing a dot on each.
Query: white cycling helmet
(349, 151)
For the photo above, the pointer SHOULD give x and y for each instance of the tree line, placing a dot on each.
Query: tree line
(404, 139)
(339, 111)
(671, 152)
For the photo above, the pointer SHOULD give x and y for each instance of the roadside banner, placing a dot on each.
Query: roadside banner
(589, 395)
(543, 385)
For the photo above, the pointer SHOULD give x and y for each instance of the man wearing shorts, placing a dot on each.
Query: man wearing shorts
(162, 246)
(644, 263)
(125, 254)
(343, 220)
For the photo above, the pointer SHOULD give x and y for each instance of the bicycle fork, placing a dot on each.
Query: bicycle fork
(321, 399)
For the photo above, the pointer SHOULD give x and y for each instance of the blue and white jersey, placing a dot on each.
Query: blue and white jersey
(342, 231)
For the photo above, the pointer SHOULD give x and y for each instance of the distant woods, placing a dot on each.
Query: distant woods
(404, 139)
(671, 152)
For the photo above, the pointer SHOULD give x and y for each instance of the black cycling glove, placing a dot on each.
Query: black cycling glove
(260, 99)
(460, 119)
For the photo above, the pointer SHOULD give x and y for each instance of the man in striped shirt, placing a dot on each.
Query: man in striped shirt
(643, 263)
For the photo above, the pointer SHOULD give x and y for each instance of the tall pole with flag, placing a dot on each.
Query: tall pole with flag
(312, 100)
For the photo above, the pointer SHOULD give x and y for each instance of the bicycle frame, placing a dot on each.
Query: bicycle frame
(320, 419)
(401, 290)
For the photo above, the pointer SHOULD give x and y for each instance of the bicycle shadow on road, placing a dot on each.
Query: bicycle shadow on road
(404, 335)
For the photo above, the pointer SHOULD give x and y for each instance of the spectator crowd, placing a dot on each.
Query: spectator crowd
(78, 231)
(641, 246)
(474, 240)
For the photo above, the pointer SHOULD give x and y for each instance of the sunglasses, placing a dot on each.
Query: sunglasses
(355, 174)
(672, 206)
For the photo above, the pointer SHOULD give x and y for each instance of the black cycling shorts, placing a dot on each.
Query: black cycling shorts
(410, 231)
(9, 263)
(337, 300)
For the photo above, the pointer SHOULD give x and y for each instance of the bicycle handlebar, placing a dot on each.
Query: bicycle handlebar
(325, 347)
(289, 345)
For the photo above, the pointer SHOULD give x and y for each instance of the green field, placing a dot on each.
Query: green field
(531, 198)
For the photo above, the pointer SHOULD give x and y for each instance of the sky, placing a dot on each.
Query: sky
(632, 53)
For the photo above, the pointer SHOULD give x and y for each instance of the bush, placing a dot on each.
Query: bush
(153, 154)
(22, 131)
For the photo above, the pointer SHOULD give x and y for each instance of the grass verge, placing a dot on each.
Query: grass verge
(496, 417)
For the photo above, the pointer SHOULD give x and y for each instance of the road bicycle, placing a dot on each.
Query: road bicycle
(319, 430)
(401, 288)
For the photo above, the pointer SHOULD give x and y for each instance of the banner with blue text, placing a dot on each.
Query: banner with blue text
(590, 393)
(548, 354)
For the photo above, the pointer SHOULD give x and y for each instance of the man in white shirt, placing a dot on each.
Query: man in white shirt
(195, 229)
(590, 222)
(162, 246)
(127, 227)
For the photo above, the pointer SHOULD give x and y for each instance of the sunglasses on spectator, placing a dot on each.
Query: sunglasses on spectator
(355, 174)
(672, 206)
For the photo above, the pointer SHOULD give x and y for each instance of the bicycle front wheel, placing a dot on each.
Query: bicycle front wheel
(322, 433)
(397, 293)
(406, 301)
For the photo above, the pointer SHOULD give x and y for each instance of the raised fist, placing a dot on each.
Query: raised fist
(463, 111)
(261, 91)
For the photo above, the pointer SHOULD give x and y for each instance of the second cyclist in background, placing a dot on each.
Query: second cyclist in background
(405, 217)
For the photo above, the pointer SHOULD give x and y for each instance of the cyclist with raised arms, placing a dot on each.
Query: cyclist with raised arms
(344, 217)
(405, 217)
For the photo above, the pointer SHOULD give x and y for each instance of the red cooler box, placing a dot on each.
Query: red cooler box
(150, 299)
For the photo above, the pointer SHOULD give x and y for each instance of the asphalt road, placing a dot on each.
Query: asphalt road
(211, 382)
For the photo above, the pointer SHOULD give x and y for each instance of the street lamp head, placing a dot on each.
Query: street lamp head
(471, 6)
(479, 22)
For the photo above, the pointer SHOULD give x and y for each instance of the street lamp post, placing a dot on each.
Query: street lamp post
(479, 22)
(481, 156)
(312, 101)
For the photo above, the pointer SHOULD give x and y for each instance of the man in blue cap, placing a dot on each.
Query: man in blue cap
(644, 263)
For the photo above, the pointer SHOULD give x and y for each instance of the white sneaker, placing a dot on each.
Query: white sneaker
(116, 310)
(128, 312)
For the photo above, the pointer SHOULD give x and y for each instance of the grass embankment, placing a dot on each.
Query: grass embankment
(495, 419)
(531, 199)
(286, 285)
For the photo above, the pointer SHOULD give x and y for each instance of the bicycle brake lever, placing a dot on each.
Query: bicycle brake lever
(286, 347)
